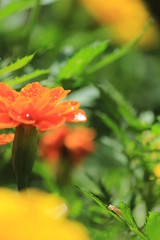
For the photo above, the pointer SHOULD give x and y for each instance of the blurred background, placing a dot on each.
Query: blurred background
(121, 99)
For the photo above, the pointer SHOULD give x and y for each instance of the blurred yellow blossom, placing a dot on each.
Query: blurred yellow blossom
(152, 141)
(36, 215)
(125, 18)
(157, 170)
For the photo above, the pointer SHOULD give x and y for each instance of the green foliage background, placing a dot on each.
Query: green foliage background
(59, 43)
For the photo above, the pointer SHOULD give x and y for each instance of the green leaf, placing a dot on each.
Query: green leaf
(118, 53)
(127, 215)
(12, 8)
(152, 228)
(109, 123)
(123, 215)
(100, 203)
(26, 78)
(123, 107)
(18, 6)
(17, 65)
(97, 200)
(76, 65)
(42, 169)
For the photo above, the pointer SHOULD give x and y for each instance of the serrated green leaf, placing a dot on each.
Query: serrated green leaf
(26, 78)
(127, 215)
(123, 215)
(76, 64)
(100, 203)
(97, 200)
(152, 227)
(118, 53)
(17, 65)
(19, 6)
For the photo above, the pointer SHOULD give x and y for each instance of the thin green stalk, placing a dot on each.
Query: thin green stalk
(30, 26)
(33, 18)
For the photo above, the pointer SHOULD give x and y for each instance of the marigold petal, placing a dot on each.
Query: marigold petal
(49, 125)
(7, 92)
(80, 138)
(6, 121)
(58, 93)
(33, 90)
(76, 116)
(65, 107)
(21, 113)
(6, 138)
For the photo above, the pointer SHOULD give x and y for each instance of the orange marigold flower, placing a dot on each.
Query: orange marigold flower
(6, 138)
(7, 97)
(38, 106)
(75, 143)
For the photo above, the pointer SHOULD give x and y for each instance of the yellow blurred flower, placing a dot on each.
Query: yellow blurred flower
(36, 215)
(126, 19)
(152, 141)
(157, 170)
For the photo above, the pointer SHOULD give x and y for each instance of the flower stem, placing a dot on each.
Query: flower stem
(64, 170)
(22, 183)
(23, 155)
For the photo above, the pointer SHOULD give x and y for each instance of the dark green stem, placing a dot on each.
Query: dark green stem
(22, 183)
(64, 171)
(24, 151)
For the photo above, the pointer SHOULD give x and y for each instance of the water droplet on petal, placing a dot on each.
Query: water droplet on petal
(80, 117)
(28, 116)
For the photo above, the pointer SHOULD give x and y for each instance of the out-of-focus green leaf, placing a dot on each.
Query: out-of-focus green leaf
(114, 231)
(76, 65)
(26, 78)
(152, 228)
(109, 123)
(17, 6)
(123, 107)
(156, 128)
(43, 170)
(17, 65)
(118, 53)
